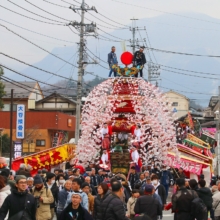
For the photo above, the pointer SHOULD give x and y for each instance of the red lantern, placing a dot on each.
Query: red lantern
(126, 58)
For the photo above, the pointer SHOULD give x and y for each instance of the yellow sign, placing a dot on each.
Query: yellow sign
(197, 140)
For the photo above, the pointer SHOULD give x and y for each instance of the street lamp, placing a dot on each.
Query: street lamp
(1, 130)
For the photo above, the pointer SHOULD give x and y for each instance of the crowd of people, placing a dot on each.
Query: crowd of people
(97, 195)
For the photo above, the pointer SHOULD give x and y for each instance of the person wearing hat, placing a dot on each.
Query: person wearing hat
(74, 210)
(51, 184)
(112, 60)
(44, 198)
(19, 201)
(86, 189)
(139, 59)
(147, 205)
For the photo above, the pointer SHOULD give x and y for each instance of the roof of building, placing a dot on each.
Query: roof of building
(213, 101)
(56, 95)
(176, 94)
(21, 90)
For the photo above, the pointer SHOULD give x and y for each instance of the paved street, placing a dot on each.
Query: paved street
(168, 215)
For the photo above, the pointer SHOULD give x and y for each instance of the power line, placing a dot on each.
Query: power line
(29, 77)
(37, 46)
(55, 4)
(38, 32)
(98, 63)
(30, 17)
(95, 55)
(183, 16)
(54, 74)
(34, 13)
(46, 11)
(187, 54)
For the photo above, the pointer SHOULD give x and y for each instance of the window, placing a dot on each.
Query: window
(40, 143)
(7, 108)
(175, 104)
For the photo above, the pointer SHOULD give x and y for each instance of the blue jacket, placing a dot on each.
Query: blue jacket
(62, 198)
(84, 202)
(157, 197)
(112, 59)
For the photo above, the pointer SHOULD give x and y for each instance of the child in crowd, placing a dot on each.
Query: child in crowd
(131, 203)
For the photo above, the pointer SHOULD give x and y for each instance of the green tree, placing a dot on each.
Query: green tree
(2, 87)
(5, 144)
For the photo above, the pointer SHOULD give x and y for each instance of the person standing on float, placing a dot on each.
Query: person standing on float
(139, 59)
(112, 60)
(106, 133)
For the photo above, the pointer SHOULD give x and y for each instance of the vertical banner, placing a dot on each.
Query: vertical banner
(17, 149)
(20, 125)
(191, 124)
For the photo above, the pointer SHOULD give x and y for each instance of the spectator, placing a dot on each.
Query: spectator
(4, 190)
(181, 174)
(165, 179)
(30, 183)
(6, 173)
(40, 173)
(148, 205)
(86, 189)
(22, 171)
(95, 179)
(133, 177)
(74, 210)
(56, 171)
(146, 174)
(103, 193)
(181, 201)
(92, 188)
(62, 197)
(156, 170)
(203, 192)
(15, 203)
(113, 206)
(216, 202)
(51, 184)
(44, 198)
(76, 188)
(140, 182)
(76, 174)
(60, 181)
(159, 189)
(131, 203)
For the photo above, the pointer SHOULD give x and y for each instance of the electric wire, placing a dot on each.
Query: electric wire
(55, 4)
(98, 63)
(46, 11)
(179, 15)
(52, 73)
(21, 74)
(95, 55)
(37, 46)
(30, 17)
(38, 32)
(34, 13)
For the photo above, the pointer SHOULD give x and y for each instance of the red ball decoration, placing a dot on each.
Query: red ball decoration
(126, 58)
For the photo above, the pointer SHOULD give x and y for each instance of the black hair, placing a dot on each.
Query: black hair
(135, 191)
(78, 181)
(113, 180)
(141, 174)
(202, 183)
(60, 175)
(116, 186)
(180, 182)
(113, 47)
(133, 168)
(75, 170)
(193, 183)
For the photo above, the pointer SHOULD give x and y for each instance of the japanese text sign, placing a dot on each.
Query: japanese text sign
(17, 149)
(187, 165)
(20, 122)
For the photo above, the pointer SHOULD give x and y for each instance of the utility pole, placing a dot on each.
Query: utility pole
(153, 72)
(83, 29)
(11, 127)
(135, 42)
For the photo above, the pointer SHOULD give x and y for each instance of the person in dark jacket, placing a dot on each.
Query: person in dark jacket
(15, 202)
(203, 192)
(140, 182)
(62, 197)
(147, 204)
(182, 201)
(95, 179)
(165, 178)
(92, 188)
(139, 60)
(74, 210)
(159, 189)
(133, 177)
(103, 193)
(23, 171)
(112, 206)
(112, 60)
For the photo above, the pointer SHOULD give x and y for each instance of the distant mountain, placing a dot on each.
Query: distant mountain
(166, 32)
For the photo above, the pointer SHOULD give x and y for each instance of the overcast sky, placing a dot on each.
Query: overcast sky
(114, 10)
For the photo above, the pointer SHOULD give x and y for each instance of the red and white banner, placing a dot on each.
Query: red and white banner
(187, 165)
